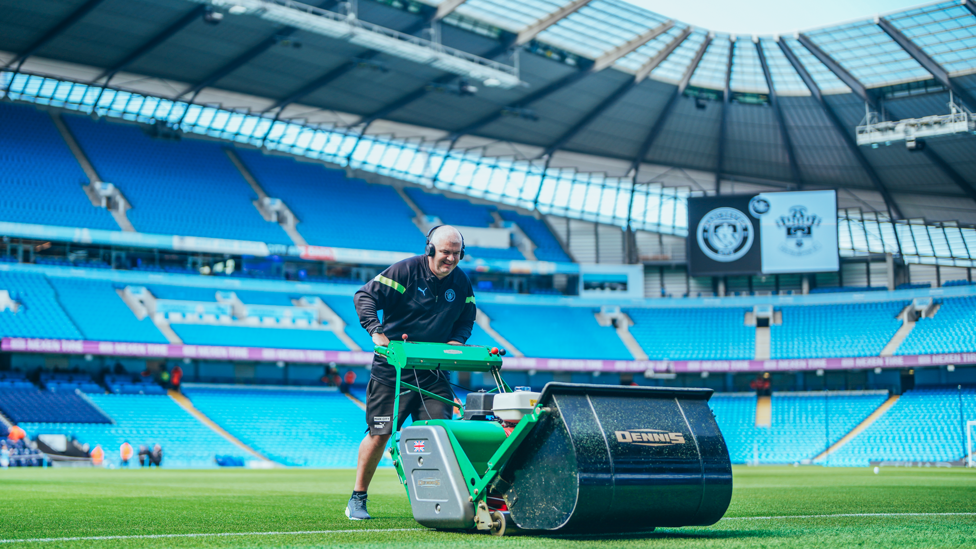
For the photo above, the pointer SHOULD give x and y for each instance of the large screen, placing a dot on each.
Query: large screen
(766, 233)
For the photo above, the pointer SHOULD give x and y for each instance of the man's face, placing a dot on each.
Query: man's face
(446, 257)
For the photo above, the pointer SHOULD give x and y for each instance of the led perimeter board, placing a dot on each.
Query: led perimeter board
(766, 233)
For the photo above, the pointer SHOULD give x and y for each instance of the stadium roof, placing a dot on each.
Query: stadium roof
(608, 87)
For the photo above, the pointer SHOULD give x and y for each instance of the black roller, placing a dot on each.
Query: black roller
(619, 459)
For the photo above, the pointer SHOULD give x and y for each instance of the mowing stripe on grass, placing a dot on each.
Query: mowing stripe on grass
(854, 515)
(320, 532)
(215, 535)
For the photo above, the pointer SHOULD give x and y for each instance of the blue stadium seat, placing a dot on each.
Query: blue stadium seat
(951, 330)
(926, 424)
(452, 211)
(186, 187)
(693, 334)
(40, 316)
(44, 406)
(547, 247)
(246, 336)
(824, 331)
(343, 306)
(803, 424)
(556, 332)
(100, 313)
(298, 428)
(148, 420)
(41, 180)
(334, 210)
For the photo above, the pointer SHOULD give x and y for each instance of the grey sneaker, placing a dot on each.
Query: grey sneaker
(356, 509)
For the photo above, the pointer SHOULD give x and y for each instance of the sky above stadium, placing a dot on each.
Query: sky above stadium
(766, 17)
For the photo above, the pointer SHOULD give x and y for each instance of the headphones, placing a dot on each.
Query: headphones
(429, 248)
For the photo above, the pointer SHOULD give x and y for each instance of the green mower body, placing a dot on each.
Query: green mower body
(585, 458)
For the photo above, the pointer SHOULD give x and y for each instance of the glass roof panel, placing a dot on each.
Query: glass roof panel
(786, 81)
(711, 71)
(511, 15)
(673, 68)
(870, 55)
(636, 59)
(747, 72)
(826, 80)
(946, 32)
(599, 27)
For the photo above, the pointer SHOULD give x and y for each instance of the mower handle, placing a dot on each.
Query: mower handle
(380, 349)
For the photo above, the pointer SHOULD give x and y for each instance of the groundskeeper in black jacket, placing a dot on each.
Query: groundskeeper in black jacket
(415, 302)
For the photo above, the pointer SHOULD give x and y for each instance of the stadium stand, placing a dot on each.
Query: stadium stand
(133, 385)
(186, 187)
(21, 455)
(42, 406)
(311, 428)
(141, 419)
(480, 337)
(556, 332)
(63, 382)
(926, 424)
(547, 247)
(693, 334)
(453, 211)
(15, 380)
(951, 330)
(850, 330)
(41, 315)
(246, 336)
(41, 179)
(330, 206)
(736, 417)
(803, 424)
(251, 297)
(183, 293)
(478, 252)
(849, 289)
(100, 314)
(343, 306)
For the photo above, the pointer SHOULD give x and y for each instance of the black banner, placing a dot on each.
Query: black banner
(723, 239)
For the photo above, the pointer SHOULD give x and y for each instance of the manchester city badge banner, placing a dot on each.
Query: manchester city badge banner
(767, 233)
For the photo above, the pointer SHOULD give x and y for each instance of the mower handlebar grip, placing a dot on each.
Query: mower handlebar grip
(380, 349)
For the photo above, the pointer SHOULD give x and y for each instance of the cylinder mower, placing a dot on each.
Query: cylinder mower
(573, 458)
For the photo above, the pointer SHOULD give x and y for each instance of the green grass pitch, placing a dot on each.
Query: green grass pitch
(771, 507)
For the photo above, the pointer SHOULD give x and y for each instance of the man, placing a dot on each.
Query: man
(156, 457)
(426, 299)
(125, 453)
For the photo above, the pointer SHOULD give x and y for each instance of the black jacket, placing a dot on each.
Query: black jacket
(416, 303)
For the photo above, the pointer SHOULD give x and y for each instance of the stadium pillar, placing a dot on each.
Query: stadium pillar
(890, 267)
(805, 284)
(721, 287)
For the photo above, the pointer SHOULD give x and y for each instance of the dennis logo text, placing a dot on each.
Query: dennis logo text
(649, 437)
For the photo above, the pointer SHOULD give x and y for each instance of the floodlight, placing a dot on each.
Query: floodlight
(873, 131)
(212, 16)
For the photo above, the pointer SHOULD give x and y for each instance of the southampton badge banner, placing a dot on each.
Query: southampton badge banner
(799, 232)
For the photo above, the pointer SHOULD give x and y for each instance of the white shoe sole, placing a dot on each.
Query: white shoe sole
(352, 518)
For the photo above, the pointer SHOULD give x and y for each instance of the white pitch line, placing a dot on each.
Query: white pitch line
(219, 534)
(320, 532)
